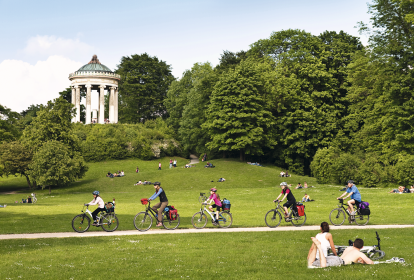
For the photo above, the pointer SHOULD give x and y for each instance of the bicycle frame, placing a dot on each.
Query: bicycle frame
(368, 250)
(212, 215)
(282, 211)
(149, 210)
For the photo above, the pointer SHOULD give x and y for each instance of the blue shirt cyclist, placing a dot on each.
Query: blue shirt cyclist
(353, 192)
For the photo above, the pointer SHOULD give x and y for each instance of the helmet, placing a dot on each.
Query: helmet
(95, 193)
(213, 189)
(283, 184)
(351, 182)
(157, 184)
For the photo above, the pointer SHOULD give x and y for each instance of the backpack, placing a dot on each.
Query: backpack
(109, 207)
(226, 204)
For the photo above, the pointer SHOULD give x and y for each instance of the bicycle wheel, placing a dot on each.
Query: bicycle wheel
(376, 255)
(143, 221)
(361, 220)
(225, 219)
(170, 224)
(81, 223)
(199, 220)
(110, 222)
(337, 216)
(298, 221)
(273, 218)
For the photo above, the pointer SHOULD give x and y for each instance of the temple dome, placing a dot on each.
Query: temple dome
(94, 65)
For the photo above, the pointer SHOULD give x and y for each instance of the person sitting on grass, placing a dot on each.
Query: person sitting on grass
(305, 185)
(101, 206)
(122, 173)
(110, 175)
(287, 194)
(350, 255)
(299, 186)
(326, 240)
(306, 198)
(217, 203)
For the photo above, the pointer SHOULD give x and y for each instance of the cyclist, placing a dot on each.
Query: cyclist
(287, 194)
(355, 195)
(217, 203)
(159, 192)
(101, 206)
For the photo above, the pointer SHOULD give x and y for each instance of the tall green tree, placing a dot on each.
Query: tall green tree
(8, 124)
(237, 117)
(143, 87)
(57, 156)
(55, 164)
(15, 159)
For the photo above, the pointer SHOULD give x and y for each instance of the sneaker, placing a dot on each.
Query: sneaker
(159, 224)
(347, 211)
(353, 213)
(215, 224)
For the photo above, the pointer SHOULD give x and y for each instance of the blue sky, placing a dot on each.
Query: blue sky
(41, 42)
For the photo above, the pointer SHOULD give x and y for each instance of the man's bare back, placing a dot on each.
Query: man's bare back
(352, 254)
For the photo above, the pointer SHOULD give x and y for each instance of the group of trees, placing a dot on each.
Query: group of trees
(324, 105)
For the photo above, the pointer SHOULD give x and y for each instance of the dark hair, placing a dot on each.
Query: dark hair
(359, 243)
(325, 227)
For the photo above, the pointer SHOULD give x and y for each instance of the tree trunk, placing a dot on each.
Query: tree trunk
(49, 189)
(241, 155)
(224, 154)
(28, 181)
(34, 185)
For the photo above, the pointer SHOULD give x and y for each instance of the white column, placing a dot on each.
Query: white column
(74, 102)
(88, 104)
(77, 103)
(116, 105)
(111, 105)
(94, 115)
(101, 104)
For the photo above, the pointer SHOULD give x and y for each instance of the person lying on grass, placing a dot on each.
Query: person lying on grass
(350, 255)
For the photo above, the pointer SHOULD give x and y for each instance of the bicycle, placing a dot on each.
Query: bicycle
(143, 220)
(337, 215)
(34, 198)
(274, 217)
(372, 252)
(108, 221)
(199, 219)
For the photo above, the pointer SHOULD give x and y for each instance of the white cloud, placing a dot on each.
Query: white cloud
(52, 45)
(23, 84)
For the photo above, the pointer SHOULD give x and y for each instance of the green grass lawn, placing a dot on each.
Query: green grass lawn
(250, 189)
(255, 255)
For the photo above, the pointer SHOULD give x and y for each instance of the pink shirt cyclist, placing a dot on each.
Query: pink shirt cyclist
(217, 203)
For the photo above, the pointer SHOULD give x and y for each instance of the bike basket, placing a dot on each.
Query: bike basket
(173, 214)
(144, 201)
(109, 207)
(301, 210)
(226, 204)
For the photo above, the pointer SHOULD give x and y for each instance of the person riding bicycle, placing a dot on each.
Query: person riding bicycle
(287, 194)
(159, 192)
(101, 206)
(217, 203)
(355, 195)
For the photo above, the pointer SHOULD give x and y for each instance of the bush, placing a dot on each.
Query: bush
(404, 170)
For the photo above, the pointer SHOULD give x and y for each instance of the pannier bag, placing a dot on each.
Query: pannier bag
(301, 209)
(109, 207)
(365, 211)
(144, 201)
(171, 212)
(226, 204)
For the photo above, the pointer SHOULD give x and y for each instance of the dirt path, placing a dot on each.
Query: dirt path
(180, 231)
(194, 159)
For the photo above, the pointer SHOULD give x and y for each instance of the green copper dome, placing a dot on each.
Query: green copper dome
(94, 65)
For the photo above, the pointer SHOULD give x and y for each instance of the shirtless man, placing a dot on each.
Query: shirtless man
(350, 255)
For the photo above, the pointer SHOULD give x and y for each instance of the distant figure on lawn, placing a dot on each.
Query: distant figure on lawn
(299, 186)
(110, 175)
(175, 163)
(401, 189)
(137, 170)
(171, 163)
(159, 165)
(204, 157)
(282, 174)
(138, 183)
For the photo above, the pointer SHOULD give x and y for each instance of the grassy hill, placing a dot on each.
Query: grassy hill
(250, 189)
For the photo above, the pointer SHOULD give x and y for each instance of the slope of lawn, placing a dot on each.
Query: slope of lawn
(244, 255)
(250, 189)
